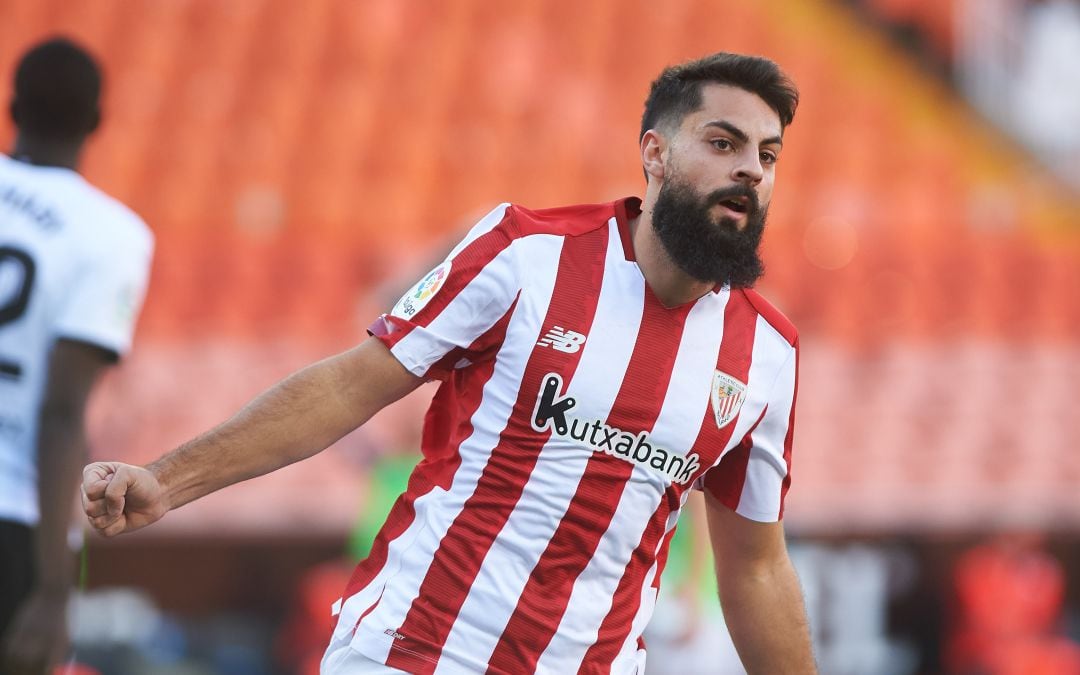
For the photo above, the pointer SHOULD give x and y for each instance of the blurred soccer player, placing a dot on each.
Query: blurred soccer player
(597, 362)
(73, 271)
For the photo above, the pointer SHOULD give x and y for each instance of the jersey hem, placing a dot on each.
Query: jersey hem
(365, 640)
(114, 353)
(760, 516)
(117, 349)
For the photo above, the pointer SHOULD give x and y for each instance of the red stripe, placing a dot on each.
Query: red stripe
(740, 327)
(662, 557)
(446, 425)
(625, 211)
(546, 594)
(461, 552)
(627, 598)
(790, 433)
(736, 349)
(772, 315)
(726, 480)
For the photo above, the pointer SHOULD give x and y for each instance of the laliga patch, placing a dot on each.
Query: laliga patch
(413, 301)
(728, 395)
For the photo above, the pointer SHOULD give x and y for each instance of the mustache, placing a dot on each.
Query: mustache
(716, 196)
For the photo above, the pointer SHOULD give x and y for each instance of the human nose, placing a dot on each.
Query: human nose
(748, 169)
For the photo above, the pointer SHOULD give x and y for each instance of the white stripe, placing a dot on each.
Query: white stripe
(490, 418)
(356, 604)
(341, 659)
(470, 313)
(765, 358)
(647, 600)
(554, 480)
(691, 382)
(685, 403)
(689, 394)
(773, 366)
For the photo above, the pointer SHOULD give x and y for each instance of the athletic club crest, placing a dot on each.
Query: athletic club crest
(728, 395)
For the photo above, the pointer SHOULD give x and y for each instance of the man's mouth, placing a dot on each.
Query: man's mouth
(736, 204)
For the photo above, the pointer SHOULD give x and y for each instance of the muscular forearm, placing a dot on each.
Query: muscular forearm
(766, 616)
(295, 419)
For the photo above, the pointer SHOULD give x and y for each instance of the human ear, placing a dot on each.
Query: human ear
(653, 146)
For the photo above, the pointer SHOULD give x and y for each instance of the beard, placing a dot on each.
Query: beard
(702, 247)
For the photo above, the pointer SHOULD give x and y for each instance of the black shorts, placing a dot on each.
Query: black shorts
(16, 568)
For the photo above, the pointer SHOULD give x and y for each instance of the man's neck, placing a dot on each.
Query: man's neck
(668, 282)
(45, 152)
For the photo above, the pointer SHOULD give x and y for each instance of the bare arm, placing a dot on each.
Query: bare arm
(38, 635)
(700, 554)
(759, 593)
(295, 419)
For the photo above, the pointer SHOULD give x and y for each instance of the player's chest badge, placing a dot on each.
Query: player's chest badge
(728, 395)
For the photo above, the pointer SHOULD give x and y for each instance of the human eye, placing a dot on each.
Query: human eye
(769, 157)
(722, 144)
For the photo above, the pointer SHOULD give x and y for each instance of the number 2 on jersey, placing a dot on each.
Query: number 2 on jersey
(16, 281)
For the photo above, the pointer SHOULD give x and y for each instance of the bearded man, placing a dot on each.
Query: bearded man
(597, 363)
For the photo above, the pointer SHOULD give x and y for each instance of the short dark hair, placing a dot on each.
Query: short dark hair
(57, 87)
(677, 92)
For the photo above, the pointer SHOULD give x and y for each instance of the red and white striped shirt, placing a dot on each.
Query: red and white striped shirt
(575, 413)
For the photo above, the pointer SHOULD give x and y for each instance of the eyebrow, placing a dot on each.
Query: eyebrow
(741, 135)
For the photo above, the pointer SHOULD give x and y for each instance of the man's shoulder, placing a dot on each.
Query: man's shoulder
(773, 316)
(106, 231)
(90, 213)
(562, 220)
(108, 216)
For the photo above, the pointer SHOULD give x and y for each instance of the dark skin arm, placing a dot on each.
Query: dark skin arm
(759, 593)
(37, 638)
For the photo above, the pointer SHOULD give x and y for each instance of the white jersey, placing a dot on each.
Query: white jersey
(74, 264)
(575, 413)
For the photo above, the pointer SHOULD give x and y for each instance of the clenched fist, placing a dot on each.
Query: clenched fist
(121, 498)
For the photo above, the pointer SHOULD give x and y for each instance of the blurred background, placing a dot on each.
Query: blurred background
(303, 162)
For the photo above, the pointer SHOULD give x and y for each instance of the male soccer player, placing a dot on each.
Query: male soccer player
(597, 362)
(73, 271)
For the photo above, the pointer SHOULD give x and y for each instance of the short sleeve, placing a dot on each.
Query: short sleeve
(103, 300)
(752, 478)
(447, 320)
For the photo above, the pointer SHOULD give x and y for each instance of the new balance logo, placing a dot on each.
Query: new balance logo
(561, 339)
